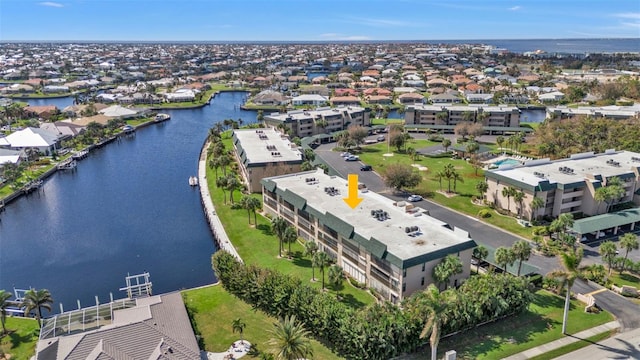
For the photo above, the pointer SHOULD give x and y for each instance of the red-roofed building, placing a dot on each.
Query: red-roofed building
(346, 92)
(43, 111)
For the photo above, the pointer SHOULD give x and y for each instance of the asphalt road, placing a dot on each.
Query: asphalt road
(627, 312)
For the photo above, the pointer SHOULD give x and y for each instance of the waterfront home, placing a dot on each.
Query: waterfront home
(155, 327)
(309, 99)
(263, 153)
(119, 112)
(45, 141)
(42, 111)
(390, 246)
(181, 95)
(270, 97)
(10, 156)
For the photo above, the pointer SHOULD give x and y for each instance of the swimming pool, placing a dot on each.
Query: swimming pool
(507, 161)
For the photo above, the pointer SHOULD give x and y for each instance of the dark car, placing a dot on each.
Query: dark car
(366, 168)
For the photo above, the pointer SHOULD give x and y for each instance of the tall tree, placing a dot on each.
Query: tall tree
(482, 188)
(233, 184)
(522, 251)
(628, 242)
(518, 197)
(289, 339)
(436, 304)
(37, 300)
(448, 267)
(278, 226)
(608, 252)
(504, 257)
(321, 261)
(238, 326)
(290, 235)
(508, 192)
(401, 176)
(310, 248)
(536, 203)
(445, 144)
(570, 261)
(4, 303)
(480, 252)
(221, 182)
(335, 277)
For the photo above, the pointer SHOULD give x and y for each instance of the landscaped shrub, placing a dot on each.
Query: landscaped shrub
(484, 213)
(380, 331)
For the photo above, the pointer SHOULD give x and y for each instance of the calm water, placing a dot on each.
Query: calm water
(126, 209)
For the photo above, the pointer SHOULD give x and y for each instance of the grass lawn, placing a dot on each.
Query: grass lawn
(20, 343)
(381, 121)
(625, 279)
(430, 187)
(574, 346)
(214, 310)
(257, 245)
(541, 324)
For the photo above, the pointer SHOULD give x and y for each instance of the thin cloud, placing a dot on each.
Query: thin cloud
(379, 22)
(631, 15)
(342, 37)
(515, 8)
(634, 25)
(51, 4)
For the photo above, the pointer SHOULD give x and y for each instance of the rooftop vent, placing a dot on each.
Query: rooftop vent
(271, 148)
(380, 214)
(263, 136)
(311, 181)
(275, 153)
(635, 159)
(412, 231)
(331, 191)
(538, 174)
(615, 163)
(566, 170)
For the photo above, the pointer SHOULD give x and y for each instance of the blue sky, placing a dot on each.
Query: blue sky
(316, 20)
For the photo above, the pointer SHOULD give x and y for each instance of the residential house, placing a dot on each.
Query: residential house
(46, 142)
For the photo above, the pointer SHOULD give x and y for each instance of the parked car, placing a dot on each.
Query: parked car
(352, 158)
(380, 138)
(414, 198)
(366, 168)
(346, 154)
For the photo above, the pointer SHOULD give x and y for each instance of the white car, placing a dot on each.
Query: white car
(352, 158)
(414, 198)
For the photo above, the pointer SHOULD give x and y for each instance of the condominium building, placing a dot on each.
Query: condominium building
(262, 153)
(303, 123)
(494, 118)
(566, 185)
(389, 246)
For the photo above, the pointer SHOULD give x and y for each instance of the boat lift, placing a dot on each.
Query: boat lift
(138, 285)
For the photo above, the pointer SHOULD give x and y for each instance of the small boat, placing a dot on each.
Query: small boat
(193, 181)
(127, 129)
(162, 117)
(68, 164)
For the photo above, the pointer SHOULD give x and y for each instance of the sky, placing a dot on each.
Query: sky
(316, 20)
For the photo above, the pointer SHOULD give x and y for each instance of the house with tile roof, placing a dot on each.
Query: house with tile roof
(44, 141)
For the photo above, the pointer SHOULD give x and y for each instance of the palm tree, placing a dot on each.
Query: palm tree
(445, 144)
(310, 248)
(449, 266)
(290, 340)
(456, 177)
(321, 260)
(244, 205)
(628, 242)
(442, 117)
(440, 175)
(504, 257)
(37, 299)
(522, 251)
(482, 188)
(508, 192)
(608, 252)
(437, 303)
(480, 253)
(335, 277)
(4, 303)
(221, 182)
(535, 204)
(570, 262)
(279, 225)
(290, 235)
(233, 184)
(518, 197)
(238, 325)
(500, 141)
(254, 204)
(449, 173)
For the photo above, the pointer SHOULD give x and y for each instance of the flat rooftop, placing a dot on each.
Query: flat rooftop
(312, 114)
(486, 108)
(433, 235)
(581, 167)
(258, 146)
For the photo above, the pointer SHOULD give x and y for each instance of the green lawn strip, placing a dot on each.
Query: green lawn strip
(380, 121)
(22, 338)
(213, 310)
(574, 346)
(540, 324)
(625, 279)
(431, 186)
(257, 245)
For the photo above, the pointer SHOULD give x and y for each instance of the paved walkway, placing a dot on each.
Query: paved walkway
(210, 211)
(621, 346)
(237, 350)
(544, 348)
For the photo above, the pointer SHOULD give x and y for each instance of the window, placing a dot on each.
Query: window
(404, 272)
(404, 287)
(423, 265)
(422, 281)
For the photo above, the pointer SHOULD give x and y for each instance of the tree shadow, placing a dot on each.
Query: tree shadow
(351, 301)
(265, 229)
(302, 262)
(17, 339)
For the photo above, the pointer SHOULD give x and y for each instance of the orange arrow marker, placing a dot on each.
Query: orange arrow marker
(353, 200)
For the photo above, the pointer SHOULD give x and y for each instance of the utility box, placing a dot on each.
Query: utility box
(450, 355)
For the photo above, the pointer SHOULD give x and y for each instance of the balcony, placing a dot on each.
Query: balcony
(287, 213)
(572, 194)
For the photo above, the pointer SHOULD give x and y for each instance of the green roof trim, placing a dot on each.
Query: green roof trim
(439, 254)
(451, 127)
(526, 269)
(606, 221)
(577, 184)
(294, 199)
(268, 184)
(338, 225)
(377, 248)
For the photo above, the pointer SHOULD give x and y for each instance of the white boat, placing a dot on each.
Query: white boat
(162, 117)
(193, 181)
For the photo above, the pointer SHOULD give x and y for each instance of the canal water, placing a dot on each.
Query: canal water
(126, 209)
